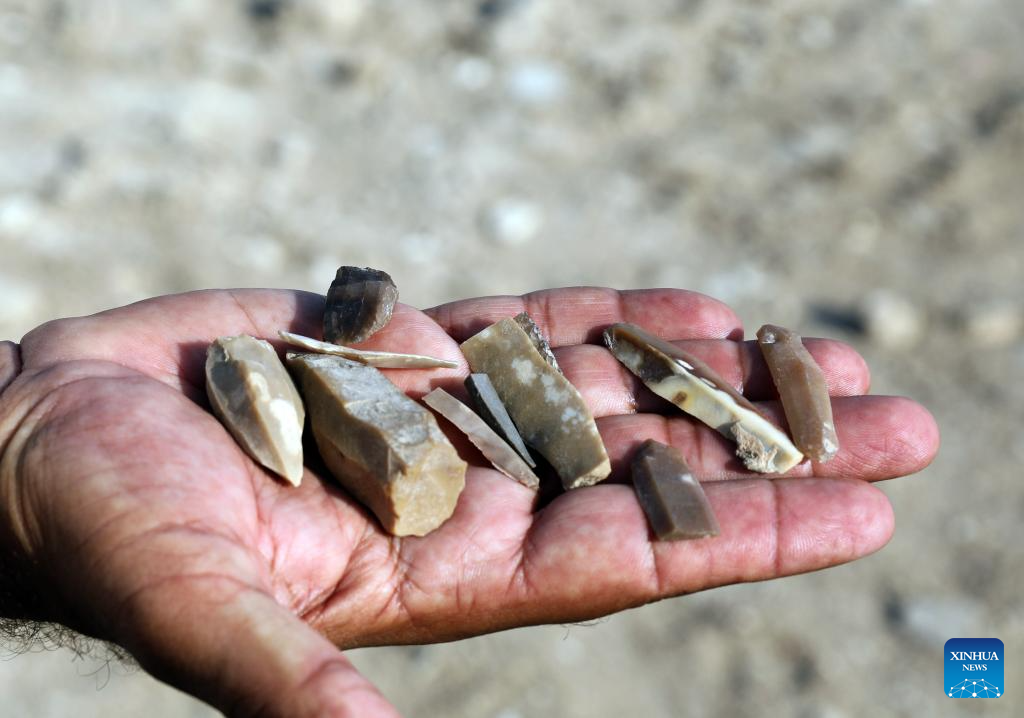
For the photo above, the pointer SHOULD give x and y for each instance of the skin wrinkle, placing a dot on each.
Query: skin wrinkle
(776, 551)
(245, 312)
(125, 607)
(318, 607)
(539, 309)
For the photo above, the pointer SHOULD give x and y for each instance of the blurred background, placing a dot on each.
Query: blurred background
(852, 168)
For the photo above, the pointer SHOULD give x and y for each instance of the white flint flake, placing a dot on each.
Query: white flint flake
(701, 393)
(381, 360)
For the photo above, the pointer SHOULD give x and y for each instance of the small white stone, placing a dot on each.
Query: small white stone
(19, 214)
(994, 324)
(419, 247)
(536, 83)
(511, 221)
(473, 74)
(262, 253)
(891, 320)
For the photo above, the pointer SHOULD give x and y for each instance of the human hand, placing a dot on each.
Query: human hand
(137, 519)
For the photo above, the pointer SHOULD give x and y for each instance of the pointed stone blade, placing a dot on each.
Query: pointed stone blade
(548, 411)
(382, 446)
(488, 405)
(492, 446)
(674, 501)
(695, 388)
(803, 391)
(381, 360)
(254, 397)
(359, 304)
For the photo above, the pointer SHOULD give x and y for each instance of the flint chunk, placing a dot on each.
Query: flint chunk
(359, 304)
(483, 437)
(803, 391)
(253, 396)
(386, 449)
(676, 505)
(695, 388)
(550, 414)
(488, 405)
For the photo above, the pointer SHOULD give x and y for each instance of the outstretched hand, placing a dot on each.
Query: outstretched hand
(133, 516)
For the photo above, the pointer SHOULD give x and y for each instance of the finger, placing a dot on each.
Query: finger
(579, 315)
(880, 437)
(167, 337)
(235, 647)
(609, 388)
(10, 363)
(591, 552)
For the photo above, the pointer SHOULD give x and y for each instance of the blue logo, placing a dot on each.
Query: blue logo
(974, 668)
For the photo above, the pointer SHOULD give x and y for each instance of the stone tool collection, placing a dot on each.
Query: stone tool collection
(390, 453)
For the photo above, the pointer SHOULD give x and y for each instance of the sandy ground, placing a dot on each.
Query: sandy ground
(851, 168)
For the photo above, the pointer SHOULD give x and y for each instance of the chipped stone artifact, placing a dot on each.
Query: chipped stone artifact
(548, 411)
(695, 388)
(525, 321)
(674, 501)
(381, 445)
(488, 405)
(803, 391)
(492, 446)
(254, 397)
(383, 360)
(359, 304)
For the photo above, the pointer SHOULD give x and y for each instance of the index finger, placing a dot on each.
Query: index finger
(578, 315)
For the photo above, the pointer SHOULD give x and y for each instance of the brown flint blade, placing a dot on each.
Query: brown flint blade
(803, 391)
(548, 411)
(253, 396)
(382, 446)
(674, 501)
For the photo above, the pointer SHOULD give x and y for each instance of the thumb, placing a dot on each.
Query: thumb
(235, 647)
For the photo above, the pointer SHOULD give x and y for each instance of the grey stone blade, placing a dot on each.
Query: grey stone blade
(803, 391)
(548, 411)
(382, 446)
(695, 388)
(381, 360)
(488, 405)
(359, 304)
(674, 501)
(492, 446)
(254, 397)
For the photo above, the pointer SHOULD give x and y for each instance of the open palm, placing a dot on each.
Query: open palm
(148, 526)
